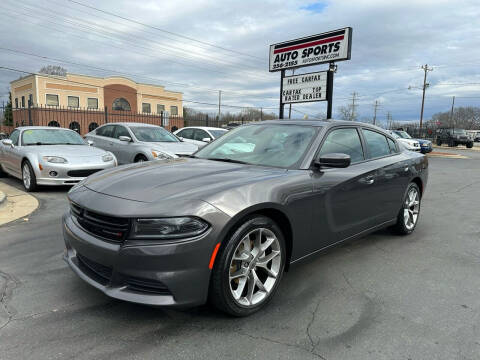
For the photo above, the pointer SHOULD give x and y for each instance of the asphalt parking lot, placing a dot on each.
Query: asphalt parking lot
(382, 297)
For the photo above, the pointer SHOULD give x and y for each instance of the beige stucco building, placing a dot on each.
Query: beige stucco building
(88, 92)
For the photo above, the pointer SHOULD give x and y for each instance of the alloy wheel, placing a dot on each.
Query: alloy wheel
(255, 267)
(411, 208)
(27, 178)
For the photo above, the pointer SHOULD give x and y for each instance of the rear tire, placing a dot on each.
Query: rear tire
(407, 217)
(248, 267)
(439, 142)
(28, 177)
(2, 173)
(469, 145)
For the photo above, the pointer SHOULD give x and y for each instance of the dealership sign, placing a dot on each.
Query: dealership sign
(305, 88)
(322, 48)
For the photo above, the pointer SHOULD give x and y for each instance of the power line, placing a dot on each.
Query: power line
(164, 31)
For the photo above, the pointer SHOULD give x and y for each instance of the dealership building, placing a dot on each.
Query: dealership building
(80, 91)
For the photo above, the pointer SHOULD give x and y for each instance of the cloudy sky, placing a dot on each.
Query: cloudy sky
(391, 40)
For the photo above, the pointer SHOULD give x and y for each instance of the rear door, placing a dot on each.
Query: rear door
(103, 137)
(392, 174)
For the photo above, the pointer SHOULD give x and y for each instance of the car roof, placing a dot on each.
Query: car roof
(131, 124)
(203, 128)
(41, 127)
(319, 123)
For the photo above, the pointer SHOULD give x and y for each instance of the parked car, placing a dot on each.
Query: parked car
(136, 142)
(408, 144)
(199, 135)
(425, 145)
(50, 156)
(225, 225)
(453, 137)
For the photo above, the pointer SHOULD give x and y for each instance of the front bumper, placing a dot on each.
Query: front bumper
(62, 177)
(170, 274)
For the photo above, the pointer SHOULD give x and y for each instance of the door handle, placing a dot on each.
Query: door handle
(368, 180)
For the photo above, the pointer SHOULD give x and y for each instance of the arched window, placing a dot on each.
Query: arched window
(121, 104)
(92, 126)
(53, 124)
(75, 126)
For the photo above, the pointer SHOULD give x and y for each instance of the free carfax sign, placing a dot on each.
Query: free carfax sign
(322, 48)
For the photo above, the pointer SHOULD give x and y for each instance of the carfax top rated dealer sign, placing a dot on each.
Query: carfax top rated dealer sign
(311, 50)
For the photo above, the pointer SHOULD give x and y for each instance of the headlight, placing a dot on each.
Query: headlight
(107, 157)
(55, 159)
(169, 228)
(161, 155)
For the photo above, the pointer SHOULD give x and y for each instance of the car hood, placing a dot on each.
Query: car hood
(423, 141)
(66, 151)
(408, 141)
(181, 147)
(179, 178)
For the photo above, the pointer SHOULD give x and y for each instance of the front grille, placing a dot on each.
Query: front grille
(113, 229)
(102, 273)
(82, 173)
(146, 285)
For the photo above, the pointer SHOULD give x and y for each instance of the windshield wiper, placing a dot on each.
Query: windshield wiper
(229, 160)
(38, 143)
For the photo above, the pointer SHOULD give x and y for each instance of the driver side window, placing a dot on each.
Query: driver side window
(14, 137)
(346, 141)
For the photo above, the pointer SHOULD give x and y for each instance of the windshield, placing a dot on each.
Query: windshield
(51, 137)
(403, 134)
(153, 134)
(459, 132)
(269, 145)
(217, 133)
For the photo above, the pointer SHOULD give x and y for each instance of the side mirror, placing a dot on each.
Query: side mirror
(90, 142)
(206, 139)
(125, 138)
(7, 142)
(335, 160)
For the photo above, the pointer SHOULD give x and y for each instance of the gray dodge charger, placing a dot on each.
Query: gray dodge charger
(224, 224)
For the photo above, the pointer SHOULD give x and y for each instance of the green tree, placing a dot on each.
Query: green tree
(7, 112)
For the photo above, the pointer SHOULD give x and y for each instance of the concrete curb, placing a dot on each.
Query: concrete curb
(16, 204)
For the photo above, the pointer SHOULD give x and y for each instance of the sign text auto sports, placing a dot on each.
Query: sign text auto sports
(311, 50)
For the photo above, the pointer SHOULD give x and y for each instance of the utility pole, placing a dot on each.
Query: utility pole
(426, 69)
(290, 107)
(451, 113)
(389, 120)
(354, 97)
(261, 114)
(375, 107)
(219, 104)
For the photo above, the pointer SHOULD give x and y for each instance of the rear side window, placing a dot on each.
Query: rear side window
(105, 131)
(346, 141)
(377, 144)
(199, 134)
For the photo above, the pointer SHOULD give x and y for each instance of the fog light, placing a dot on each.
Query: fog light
(53, 173)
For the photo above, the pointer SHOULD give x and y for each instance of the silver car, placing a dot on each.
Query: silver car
(136, 142)
(50, 156)
(200, 135)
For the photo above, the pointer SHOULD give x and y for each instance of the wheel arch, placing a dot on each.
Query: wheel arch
(417, 180)
(273, 211)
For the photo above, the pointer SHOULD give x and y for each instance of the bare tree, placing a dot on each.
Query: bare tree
(53, 70)
(347, 113)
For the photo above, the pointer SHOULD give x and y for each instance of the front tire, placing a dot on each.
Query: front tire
(140, 158)
(249, 267)
(28, 177)
(407, 217)
(469, 145)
